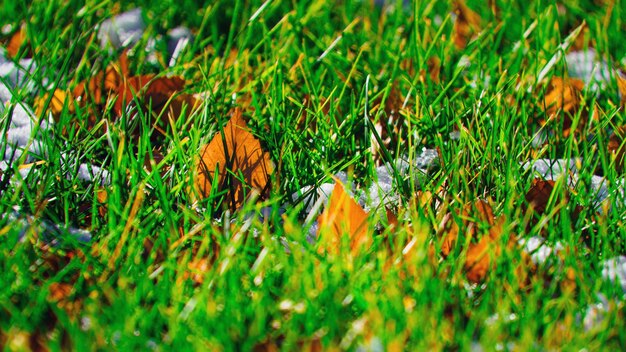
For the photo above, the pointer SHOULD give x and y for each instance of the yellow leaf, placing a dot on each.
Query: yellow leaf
(57, 101)
(621, 84)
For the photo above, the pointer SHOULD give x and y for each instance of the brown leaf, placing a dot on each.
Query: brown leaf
(481, 213)
(539, 194)
(538, 197)
(240, 162)
(159, 95)
(85, 209)
(156, 91)
(466, 25)
(564, 99)
(98, 88)
(343, 216)
(617, 147)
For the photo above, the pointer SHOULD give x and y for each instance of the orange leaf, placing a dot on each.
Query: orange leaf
(467, 24)
(59, 291)
(564, 98)
(478, 260)
(18, 39)
(129, 89)
(484, 215)
(621, 85)
(99, 87)
(198, 269)
(343, 216)
(240, 162)
(158, 94)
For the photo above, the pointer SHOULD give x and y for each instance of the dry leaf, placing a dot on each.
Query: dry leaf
(539, 194)
(86, 208)
(59, 291)
(99, 87)
(467, 24)
(564, 98)
(161, 94)
(621, 85)
(343, 216)
(240, 162)
(484, 215)
(18, 39)
(479, 256)
(478, 260)
(57, 102)
(538, 197)
(197, 270)
(617, 147)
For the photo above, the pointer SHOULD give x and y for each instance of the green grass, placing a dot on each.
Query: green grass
(130, 286)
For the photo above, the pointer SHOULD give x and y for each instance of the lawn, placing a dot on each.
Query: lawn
(312, 175)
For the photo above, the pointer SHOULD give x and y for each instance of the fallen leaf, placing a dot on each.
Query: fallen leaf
(479, 256)
(563, 101)
(473, 214)
(59, 291)
(197, 270)
(466, 24)
(85, 209)
(538, 199)
(158, 97)
(17, 41)
(621, 85)
(161, 97)
(57, 102)
(343, 216)
(235, 160)
(538, 195)
(479, 224)
(99, 87)
(617, 147)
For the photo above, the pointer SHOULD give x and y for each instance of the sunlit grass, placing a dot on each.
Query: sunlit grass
(309, 76)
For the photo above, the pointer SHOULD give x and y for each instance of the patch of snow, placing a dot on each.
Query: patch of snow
(587, 66)
(19, 136)
(178, 39)
(21, 116)
(595, 314)
(5, 95)
(90, 173)
(551, 169)
(123, 30)
(540, 252)
(614, 270)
